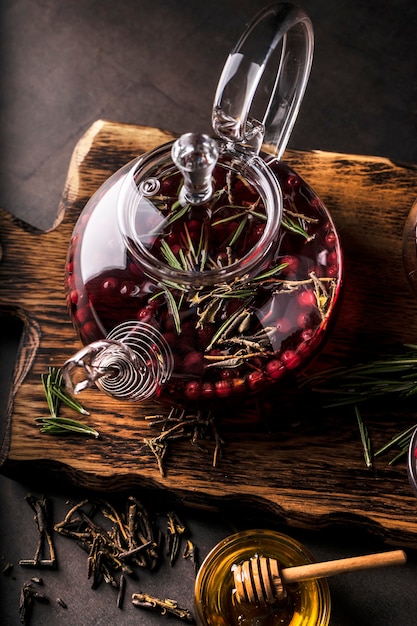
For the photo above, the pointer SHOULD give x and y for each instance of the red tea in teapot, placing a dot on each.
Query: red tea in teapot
(207, 269)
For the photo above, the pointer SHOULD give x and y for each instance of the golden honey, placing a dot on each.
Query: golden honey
(307, 603)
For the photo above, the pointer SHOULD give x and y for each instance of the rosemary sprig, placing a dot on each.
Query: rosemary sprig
(59, 425)
(401, 440)
(388, 376)
(294, 227)
(56, 394)
(365, 439)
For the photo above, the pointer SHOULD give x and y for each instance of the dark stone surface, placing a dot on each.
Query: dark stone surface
(156, 63)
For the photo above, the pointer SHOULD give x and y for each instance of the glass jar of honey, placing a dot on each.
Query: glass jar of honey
(306, 603)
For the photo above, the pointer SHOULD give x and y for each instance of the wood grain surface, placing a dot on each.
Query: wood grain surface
(307, 467)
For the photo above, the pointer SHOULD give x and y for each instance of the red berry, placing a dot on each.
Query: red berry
(304, 348)
(145, 314)
(292, 264)
(290, 359)
(83, 315)
(275, 369)
(228, 374)
(293, 181)
(194, 226)
(307, 297)
(256, 379)
(223, 388)
(205, 335)
(330, 239)
(332, 258)
(208, 390)
(134, 269)
(332, 271)
(307, 334)
(304, 319)
(193, 390)
(109, 285)
(90, 331)
(127, 288)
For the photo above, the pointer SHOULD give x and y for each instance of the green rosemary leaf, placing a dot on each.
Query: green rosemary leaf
(169, 256)
(269, 273)
(402, 439)
(174, 309)
(52, 401)
(224, 327)
(366, 442)
(239, 230)
(68, 400)
(60, 425)
(184, 261)
(397, 457)
(295, 228)
(55, 393)
(178, 214)
(202, 252)
(388, 376)
(230, 218)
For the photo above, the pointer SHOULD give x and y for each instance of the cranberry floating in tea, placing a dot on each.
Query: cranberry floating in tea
(207, 268)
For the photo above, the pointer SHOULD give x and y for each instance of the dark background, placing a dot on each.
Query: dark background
(65, 64)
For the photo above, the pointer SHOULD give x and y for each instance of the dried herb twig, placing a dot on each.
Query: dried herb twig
(40, 508)
(28, 594)
(175, 530)
(179, 425)
(164, 607)
(131, 540)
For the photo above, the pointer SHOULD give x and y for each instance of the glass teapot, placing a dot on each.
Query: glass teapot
(207, 268)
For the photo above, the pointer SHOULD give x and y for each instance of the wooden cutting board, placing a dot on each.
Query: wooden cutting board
(309, 470)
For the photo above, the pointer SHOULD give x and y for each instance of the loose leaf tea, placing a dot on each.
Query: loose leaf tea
(182, 425)
(163, 607)
(133, 539)
(45, 541)
(28, 595)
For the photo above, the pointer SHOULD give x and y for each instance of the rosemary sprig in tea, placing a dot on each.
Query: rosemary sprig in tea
(56, 394)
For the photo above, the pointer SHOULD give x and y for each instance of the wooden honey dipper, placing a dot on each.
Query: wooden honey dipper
(261, 580)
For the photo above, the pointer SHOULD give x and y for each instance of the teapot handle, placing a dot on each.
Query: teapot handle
(283, 28)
